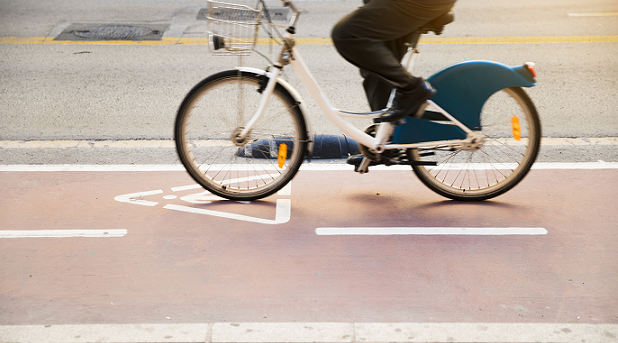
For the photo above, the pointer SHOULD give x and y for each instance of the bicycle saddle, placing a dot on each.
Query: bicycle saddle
(437, 25)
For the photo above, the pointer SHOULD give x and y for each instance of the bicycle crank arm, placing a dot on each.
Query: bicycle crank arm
(362, 165)
(419, 163)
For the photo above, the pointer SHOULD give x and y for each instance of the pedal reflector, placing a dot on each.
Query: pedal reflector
(516, 128)
(283, 154)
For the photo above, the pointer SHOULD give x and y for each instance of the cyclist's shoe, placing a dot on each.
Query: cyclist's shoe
(356, 160)
(408, 102)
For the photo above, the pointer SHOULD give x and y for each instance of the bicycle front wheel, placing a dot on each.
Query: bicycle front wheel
(512, 135)
(209, 121)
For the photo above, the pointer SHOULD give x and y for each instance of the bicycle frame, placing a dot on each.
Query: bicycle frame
(384, 131)
(450, 132)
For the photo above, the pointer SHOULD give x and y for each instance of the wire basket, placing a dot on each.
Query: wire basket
(233, 28)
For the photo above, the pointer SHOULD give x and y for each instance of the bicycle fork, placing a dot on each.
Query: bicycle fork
(266, 94)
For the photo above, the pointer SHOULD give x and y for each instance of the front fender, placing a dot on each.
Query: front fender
(287, 87)
(463, 88)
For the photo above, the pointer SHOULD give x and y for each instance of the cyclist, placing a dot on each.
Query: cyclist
(372, 38)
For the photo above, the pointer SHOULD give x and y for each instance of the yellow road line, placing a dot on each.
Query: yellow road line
(326, 41)
(525, 39)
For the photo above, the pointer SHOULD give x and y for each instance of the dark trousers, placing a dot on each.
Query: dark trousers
(372, 38)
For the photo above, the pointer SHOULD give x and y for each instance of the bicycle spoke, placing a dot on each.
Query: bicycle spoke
(499, 164)
(214, 114)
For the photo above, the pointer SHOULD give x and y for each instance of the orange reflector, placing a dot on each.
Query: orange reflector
(283, 154)
(516, 128)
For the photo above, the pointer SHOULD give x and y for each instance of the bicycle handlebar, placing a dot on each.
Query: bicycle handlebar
(294, 19)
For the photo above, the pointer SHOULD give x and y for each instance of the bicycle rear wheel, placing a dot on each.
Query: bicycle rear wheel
(210, 118)
(512, 130)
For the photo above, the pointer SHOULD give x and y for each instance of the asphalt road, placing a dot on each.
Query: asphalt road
(103, 91)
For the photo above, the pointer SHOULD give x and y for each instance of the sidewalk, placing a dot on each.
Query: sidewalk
(313, 332)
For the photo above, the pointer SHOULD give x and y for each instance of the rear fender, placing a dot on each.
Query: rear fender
(463, 88)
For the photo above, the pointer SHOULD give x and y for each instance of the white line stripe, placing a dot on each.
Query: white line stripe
(185, 188)
(473, 231)
(106, 144)
(300, 332)
(286, 190)
(283, 213)
(91, 167)
(61, 233)
(582, 165)
(169, 144)
(305, 166)
(137, 198)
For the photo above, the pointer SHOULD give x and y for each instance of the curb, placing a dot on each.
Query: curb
(312, 332)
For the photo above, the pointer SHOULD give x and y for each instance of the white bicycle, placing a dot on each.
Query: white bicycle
(242, 134)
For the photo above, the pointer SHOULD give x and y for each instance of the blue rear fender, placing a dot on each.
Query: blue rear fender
(462, 89)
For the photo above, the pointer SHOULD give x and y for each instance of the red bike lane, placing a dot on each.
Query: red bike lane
(187, 257)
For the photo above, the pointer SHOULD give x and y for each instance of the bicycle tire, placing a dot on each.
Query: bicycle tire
(498, 165)
(214, 111)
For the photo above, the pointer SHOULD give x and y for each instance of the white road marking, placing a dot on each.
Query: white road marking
(282, 211)
(304, 166)
(472, 231)
(61, 233)
(201, 198)
(286, 190)
(169, 144)
(282, 215)
(583, 165)
(185, 188)
(91, 167)
(301, 332)
(138, 198)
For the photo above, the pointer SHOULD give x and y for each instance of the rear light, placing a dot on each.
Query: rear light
(530, 67)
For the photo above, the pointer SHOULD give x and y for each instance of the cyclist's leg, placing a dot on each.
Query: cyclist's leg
(372, 38)
(362, 36)
(378, 89)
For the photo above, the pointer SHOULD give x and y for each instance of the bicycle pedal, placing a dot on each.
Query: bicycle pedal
(361, 163)
(356, 160)
(364, 166)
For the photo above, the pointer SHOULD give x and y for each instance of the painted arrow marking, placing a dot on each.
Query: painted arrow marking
(282, 215)
(283, 208)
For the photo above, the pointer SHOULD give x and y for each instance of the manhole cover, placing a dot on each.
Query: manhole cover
(114, 32)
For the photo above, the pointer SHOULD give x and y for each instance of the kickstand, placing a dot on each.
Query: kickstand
(363, 167)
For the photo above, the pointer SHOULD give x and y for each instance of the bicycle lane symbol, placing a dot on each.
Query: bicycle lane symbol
(283, 207)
